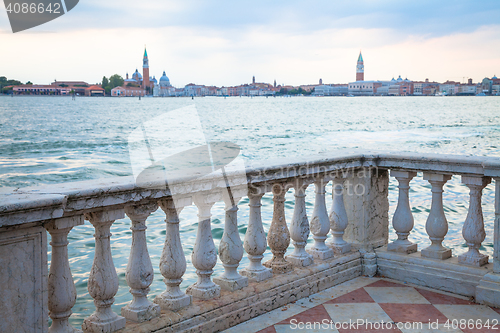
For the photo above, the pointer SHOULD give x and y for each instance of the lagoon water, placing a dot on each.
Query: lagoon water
(46, 140)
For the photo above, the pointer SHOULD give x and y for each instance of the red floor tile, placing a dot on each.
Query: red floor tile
(316, 315)
(403, 313)
(436, 298)
(366, 329)
(383, 283)
(357, 296)
(269, 329)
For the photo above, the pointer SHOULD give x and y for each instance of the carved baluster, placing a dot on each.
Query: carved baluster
(103, 281)
(299, 228)
(278, 236)
(436, 225)
(62, 291)
(255, 243)
(204, 256)
(320, 224)
(473, 229)
(172, 261)
(139, 274)
(402, 221)
(231, 248)
(496, 245)
(338, 217)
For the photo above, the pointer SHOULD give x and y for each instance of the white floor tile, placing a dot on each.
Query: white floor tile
(345, 313)
(467, 312)
(396, 295)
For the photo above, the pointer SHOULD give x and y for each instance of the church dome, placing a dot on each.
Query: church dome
(153, 80)
(137, 76)
(494, 77)
(164, 81)
(399, 79)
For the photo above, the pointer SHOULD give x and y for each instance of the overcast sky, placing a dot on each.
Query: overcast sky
(227, 42)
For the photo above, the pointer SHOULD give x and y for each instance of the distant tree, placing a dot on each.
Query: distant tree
(63, 85)
(7, 90)
(4, 82)
(13, 83)
(115, 80)
(105, 82)
(130, 84)
(29, 82)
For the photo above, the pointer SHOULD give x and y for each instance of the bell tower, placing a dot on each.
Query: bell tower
(145, 70)
(360, 69)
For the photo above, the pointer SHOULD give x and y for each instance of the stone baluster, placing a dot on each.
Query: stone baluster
(139, 274)
(231, 248)
(172, 261)
(338, 217)
(496, 244)
(204, 256)
(278, 236)
(488, 289)
(320, 223)
(103, 281)
(299, 228)
(255, 243)
(62, 291)
(402, 221)
(436, 225)
(473, 229)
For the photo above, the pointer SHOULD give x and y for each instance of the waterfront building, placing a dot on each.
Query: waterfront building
(40, 89)
(359, 88)
(127, 91)
(193, 90)
(94, 90)
(449, 88)
(425, 88)
(467, 89)
(59, 88)
(331, 90)
(487, 85)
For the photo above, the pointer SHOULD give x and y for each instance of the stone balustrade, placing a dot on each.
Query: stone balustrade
(302, 259)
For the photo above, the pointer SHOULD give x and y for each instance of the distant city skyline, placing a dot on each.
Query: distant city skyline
(226, 43)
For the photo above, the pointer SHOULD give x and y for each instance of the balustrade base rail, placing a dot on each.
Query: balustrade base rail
(258, 298)
(447, 275)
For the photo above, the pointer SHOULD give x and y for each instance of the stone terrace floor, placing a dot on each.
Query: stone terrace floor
(378, 301)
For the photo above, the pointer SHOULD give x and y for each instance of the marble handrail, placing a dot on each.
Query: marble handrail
(43, 203)
(61, 207)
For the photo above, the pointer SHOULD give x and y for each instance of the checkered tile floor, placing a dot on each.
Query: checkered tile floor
(377, 305)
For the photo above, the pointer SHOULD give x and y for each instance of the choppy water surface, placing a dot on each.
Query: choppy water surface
(47, 140)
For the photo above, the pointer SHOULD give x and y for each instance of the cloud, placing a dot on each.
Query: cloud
(227, 42)
(425, 17)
